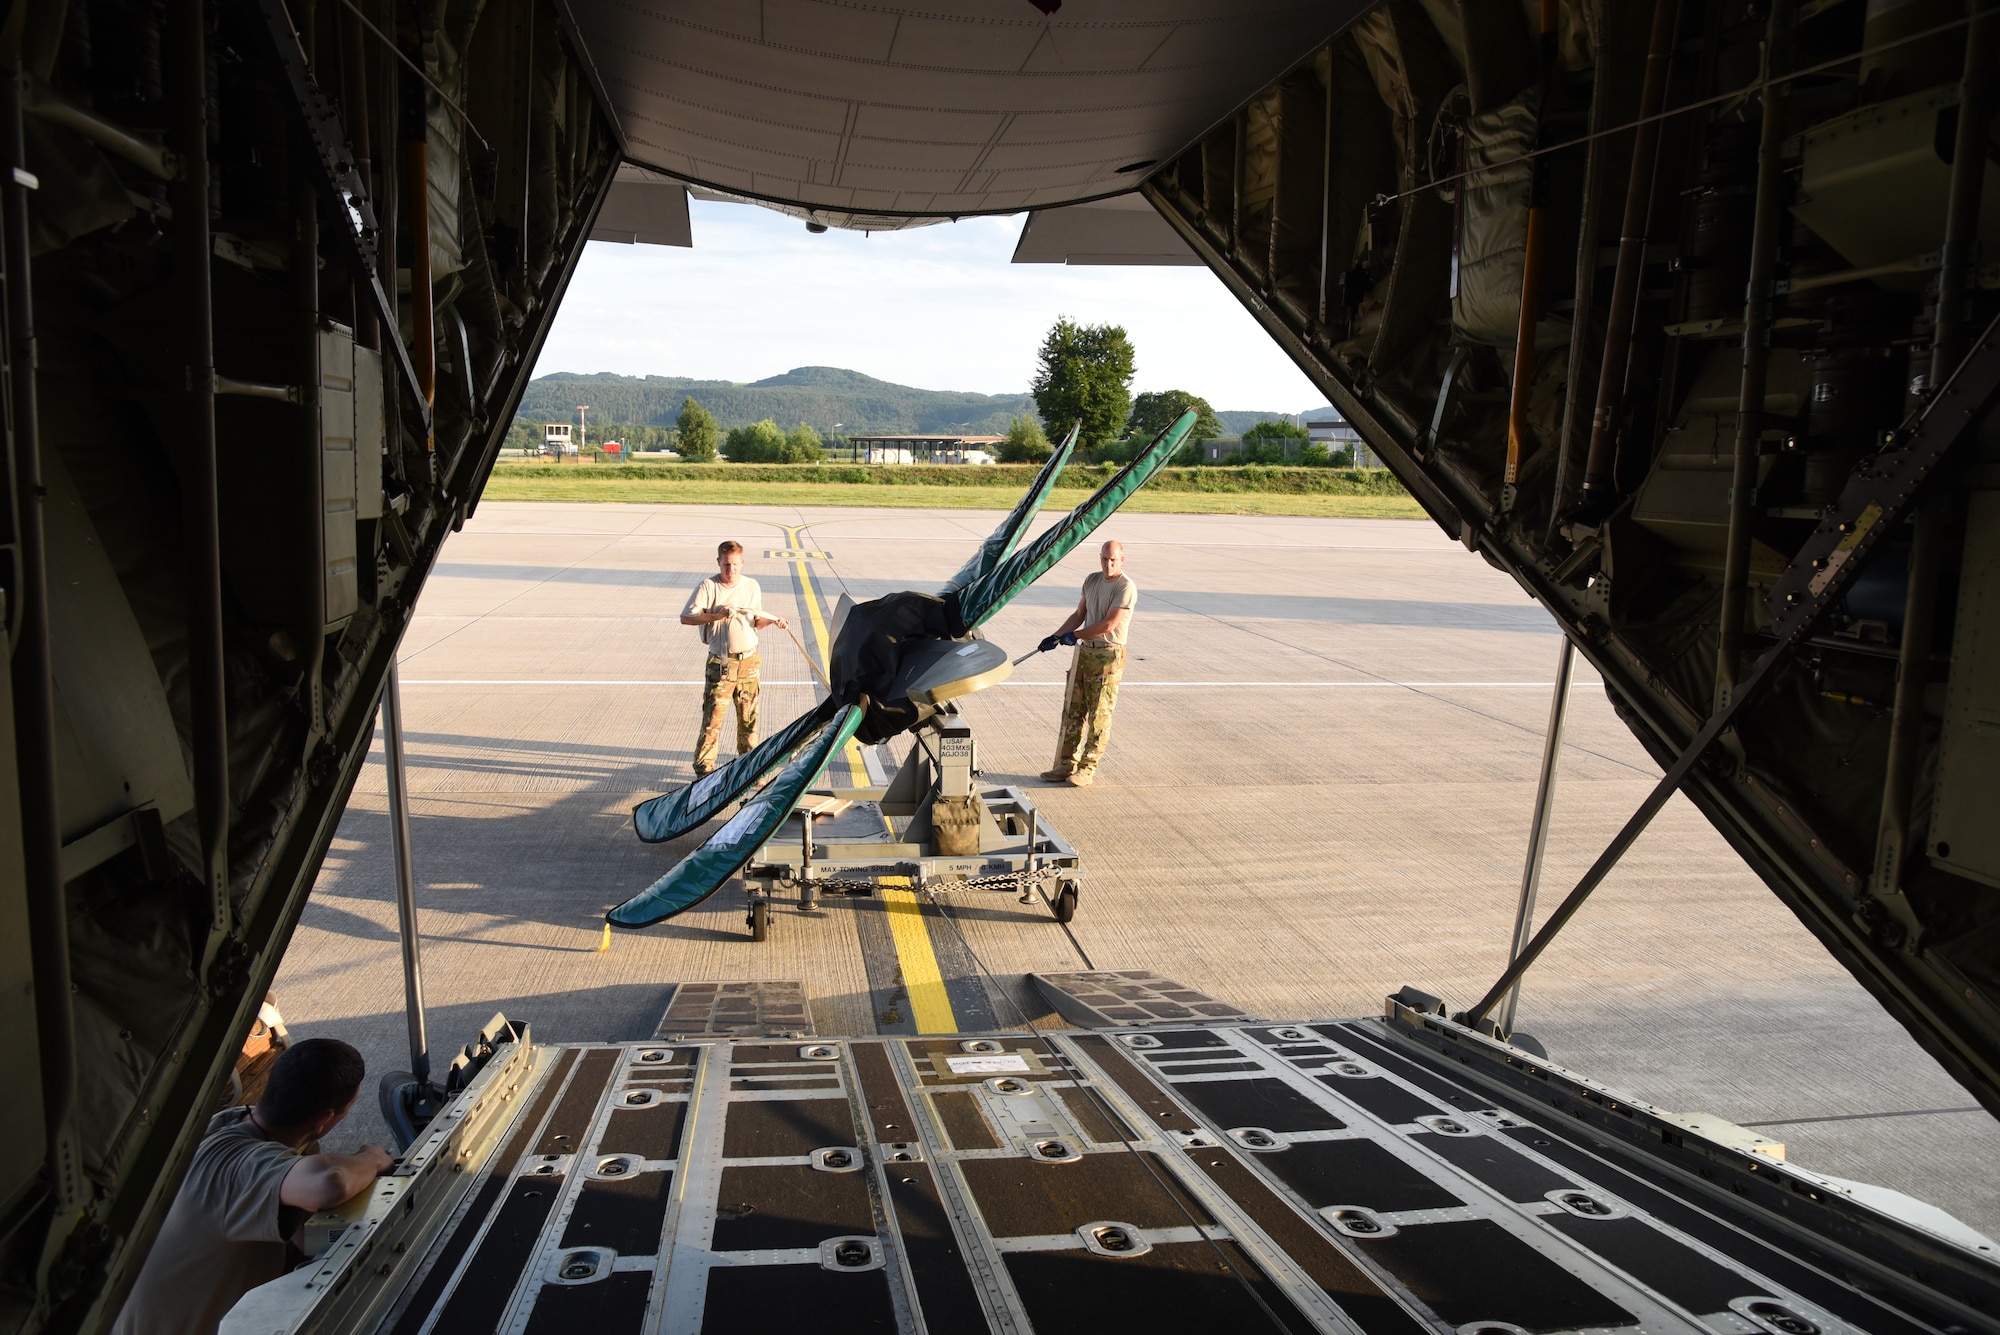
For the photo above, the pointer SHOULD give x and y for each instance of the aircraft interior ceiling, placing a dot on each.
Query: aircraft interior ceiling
(898, 115)
(1676, 310)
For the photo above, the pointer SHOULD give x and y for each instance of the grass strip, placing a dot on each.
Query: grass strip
(1254, 489)
(1077, 477)
(578, 485)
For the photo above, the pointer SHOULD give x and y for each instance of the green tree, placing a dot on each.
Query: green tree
(759, 443)
(697, 432)
(802, 446)
(1155, 411)
(1316, 454)
(1025, 444)
(1086, 374)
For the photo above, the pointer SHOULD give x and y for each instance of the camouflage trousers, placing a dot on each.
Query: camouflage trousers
(1087, 705)
(727, 680)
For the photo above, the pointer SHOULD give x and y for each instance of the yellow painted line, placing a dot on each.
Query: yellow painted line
(857, 770)
(923, 982)
(916, 959)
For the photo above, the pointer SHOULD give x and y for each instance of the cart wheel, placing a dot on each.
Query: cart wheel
(760, 919)
(1065, 905)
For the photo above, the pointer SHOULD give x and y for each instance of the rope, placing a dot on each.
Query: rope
(811, 662)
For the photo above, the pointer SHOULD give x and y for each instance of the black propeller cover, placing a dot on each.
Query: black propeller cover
(868, 657)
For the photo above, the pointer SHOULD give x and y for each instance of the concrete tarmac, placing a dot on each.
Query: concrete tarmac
(1318, 789)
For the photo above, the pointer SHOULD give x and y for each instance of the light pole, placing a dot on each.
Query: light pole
(836, 431)
(582, 430)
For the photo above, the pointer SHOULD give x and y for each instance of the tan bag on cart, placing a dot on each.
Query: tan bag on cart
(955, 825)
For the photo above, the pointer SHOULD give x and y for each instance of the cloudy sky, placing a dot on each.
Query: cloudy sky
(936, 307)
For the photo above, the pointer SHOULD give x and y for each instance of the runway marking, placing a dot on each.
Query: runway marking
(1328, 685)
(857, 768)
(917, 961)
(571, 681)
(794, 554)
(1126, 685)
(923, 981)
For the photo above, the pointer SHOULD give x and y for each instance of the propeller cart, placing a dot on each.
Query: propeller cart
(957, 834)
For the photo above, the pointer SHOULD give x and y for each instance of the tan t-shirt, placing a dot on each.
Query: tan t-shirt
(737, 635)
(1103, 596)
(223, 1237)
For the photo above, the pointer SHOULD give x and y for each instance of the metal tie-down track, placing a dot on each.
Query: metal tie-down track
(1389, 1175)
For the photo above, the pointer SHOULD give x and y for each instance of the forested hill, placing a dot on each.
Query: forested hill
(819, 396)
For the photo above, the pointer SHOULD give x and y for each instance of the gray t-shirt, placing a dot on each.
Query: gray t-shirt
(738, 635)
(1101, 597)
(223, 1237)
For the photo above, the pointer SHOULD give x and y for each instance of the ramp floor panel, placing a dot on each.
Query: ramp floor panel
(1217, 1176)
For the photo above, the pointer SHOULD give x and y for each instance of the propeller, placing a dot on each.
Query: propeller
(1001, 543)
(986, 595)
(868, 653)
(672, 815)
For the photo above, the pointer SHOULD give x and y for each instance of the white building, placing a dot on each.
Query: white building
(927, 449)
(1337, 435)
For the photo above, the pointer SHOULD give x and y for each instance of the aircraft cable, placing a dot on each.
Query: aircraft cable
(1112, 1116)
(418, 71)
(831, 564)
(1734, 94)
(1077, 945)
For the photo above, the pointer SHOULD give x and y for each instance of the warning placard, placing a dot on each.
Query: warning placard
(1005, 1063)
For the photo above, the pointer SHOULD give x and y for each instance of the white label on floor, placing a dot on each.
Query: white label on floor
(1005, 1064)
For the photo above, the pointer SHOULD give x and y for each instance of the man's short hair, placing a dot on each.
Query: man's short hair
(727, 547)
(311, 1077)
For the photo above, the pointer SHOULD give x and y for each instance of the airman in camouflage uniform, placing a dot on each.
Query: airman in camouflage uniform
(729, 610)
(1097, 628)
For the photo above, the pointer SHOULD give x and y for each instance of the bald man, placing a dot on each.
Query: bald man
(1097, 628)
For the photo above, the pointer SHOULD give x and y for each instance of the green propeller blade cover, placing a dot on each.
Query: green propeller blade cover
(672, 815)
(978, 601)
(1000, 544)
(704, 871)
